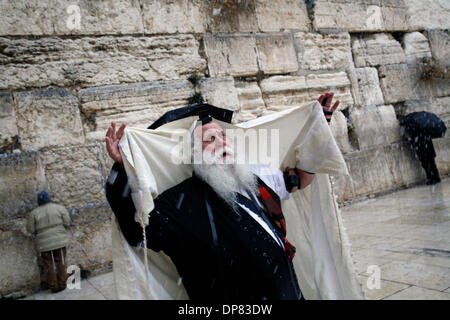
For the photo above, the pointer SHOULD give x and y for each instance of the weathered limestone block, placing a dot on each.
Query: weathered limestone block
(20, 272)
(138, 104)
(377, 49)
(169, 16)
(337, 82)
(96, 61)
(416, 47)
(220, 92)
(276, 53)
(375, 126)
(361, 15)
(323, 51)
(55, 17)
(438, 106)
(283, 14)
(442, 147)
(106, 161)
(250, 101)
(379, 169)
(340, 132)
(21, 178)
(428, 14)
(90, 247)
(231, 55)
(369, 86)
(440, 46)
(281, 92)
(74, 175)
(8, 126)
(221, 17)
(396, 84)
(395, 15)
(48, 118)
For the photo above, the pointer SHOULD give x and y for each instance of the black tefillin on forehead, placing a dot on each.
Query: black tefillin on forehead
(204, 111)
(119, 198)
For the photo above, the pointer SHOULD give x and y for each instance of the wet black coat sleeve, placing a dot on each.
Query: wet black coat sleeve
(118, 194)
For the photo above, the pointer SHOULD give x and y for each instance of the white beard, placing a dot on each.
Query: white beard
(226, 179)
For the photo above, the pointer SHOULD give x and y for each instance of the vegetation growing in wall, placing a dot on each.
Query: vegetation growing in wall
(229, 8)
(431, 70)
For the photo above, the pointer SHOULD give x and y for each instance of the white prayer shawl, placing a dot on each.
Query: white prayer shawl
(322, 262)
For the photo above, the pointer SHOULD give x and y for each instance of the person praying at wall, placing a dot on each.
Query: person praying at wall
(49, 223)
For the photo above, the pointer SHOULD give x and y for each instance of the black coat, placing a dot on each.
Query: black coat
(246, 263)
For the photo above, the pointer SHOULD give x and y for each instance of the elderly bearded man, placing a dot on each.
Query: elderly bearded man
(235, 246)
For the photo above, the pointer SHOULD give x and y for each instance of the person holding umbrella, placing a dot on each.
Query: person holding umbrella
(420, 128)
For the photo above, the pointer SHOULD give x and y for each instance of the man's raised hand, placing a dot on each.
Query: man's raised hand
(325, 100)
(112, 141)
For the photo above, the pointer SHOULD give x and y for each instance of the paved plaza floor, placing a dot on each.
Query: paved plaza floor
(403, 236)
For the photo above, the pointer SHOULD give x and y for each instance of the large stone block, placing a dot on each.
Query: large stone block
(281, 92)
(250, 101)
(339, 128)
(54, 17)
(428, 14)
(19, 263)
(96, 61)
(375, 126)
(377, 49)
(220, 92)
(337, 82)
(369, 87)
(323, 51)
(283, 14)
(394, 15)
(396, 84)
(377, 170)
(21, 178)
(231, 55)
(138, 104)
(8, 126)
(74, 175)
(418, 53)
(169, 16)
(361, 15)
(440, 46)
(90, 247)
(416, 47)
(230, 16)
(48, 118)
(276, 53)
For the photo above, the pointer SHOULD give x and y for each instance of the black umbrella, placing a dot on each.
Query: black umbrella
(425, 123)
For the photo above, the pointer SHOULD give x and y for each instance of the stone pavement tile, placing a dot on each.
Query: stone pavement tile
(385, 229)
(416, 293)
(437, 232)
(363, 258)
(424, 247)
(105, 284)
(362, 241)
(387, 288)
(426, 276)
(86, 292)
(418, 258)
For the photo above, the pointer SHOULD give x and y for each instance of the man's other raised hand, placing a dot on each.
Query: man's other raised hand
(112, 141)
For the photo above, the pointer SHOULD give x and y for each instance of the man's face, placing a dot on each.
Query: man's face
(214, 139)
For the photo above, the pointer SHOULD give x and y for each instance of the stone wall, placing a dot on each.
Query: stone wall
(67, 69)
